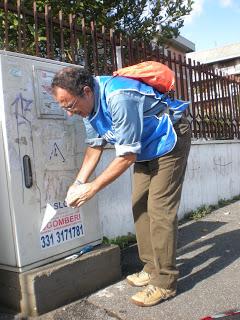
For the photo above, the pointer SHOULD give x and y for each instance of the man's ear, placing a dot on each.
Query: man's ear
(87, 91)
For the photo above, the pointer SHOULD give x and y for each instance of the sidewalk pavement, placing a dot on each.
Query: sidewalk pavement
(209, 264)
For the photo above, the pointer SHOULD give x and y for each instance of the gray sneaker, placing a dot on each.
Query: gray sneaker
(138, 279)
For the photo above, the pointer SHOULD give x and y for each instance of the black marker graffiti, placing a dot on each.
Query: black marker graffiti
(22, 107)
(56, 152)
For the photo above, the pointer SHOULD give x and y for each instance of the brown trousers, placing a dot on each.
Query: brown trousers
(156, 198)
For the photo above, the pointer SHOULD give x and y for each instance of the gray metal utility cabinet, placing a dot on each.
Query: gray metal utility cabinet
(40, 153)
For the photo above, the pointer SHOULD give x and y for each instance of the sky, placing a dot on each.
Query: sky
(213, 23)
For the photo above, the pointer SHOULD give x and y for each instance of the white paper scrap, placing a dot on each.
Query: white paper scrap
(48, 215)
(227, 213)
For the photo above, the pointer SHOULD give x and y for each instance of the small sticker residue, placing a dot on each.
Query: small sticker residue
(15, 72)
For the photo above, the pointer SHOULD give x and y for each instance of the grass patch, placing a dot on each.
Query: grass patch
(199, 213)
(204, 210)
(121, 241)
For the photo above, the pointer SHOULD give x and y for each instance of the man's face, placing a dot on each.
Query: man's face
(72, 104)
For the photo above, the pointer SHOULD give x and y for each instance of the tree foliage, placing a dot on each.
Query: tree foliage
(144, 19)
(158, 20)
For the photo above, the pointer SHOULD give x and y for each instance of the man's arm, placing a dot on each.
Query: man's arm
(112, 172)
(90, 161)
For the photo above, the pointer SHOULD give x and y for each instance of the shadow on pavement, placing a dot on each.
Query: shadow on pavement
(207, 256)
(200, 254)
(188, 233)
(194, 230)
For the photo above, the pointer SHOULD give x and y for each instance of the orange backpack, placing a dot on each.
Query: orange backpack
(153, 73)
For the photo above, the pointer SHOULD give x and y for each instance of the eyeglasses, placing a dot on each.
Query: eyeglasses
(70, 106)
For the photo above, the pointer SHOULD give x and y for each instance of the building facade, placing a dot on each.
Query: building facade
(225, 59)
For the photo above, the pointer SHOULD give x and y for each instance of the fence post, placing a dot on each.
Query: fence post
(85, 48)
(35, 16)
(60, 18)
(119, 57)
(113, 45)
(6, 25)
(47, 30)
(193, 105)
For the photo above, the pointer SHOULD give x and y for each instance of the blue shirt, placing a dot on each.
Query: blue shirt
(128, 108)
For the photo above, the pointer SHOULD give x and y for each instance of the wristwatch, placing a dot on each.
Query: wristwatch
(78, 182)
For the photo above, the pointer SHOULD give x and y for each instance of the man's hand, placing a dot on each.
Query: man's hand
(78, 194)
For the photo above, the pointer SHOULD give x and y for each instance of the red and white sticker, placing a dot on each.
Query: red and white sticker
(61, 229)
(226, 315)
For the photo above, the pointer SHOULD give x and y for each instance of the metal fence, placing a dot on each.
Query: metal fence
(215, 98)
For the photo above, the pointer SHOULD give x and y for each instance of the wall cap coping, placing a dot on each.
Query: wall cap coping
(204, 141)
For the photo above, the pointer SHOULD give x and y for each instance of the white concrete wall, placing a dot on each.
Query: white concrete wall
(115, 201)
(212, 174)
